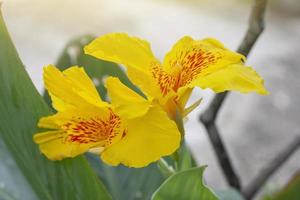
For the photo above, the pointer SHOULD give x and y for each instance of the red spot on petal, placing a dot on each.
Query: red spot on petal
(92, 130)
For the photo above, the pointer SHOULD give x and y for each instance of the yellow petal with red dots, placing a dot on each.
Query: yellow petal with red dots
(70, 88)
(147, 139)
(234, 77)
(190, 59)
(208, 64)
(54, 147)
(75, 131)
(126, 102)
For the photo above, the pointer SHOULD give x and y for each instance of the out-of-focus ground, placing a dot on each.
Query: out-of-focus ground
(255, 128)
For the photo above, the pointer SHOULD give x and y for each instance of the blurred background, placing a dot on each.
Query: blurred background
(254, 128)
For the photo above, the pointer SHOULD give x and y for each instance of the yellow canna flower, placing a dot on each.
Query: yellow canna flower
(190, 63)
(132, 130)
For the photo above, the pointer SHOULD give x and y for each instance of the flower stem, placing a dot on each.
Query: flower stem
(166, 169)
(179, 122)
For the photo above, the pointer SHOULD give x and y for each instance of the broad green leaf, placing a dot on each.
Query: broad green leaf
(21, 106)
(290, 192)
(123, 183)
(184, 185)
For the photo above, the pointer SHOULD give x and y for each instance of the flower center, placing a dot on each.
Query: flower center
(185, 67)
(93, 130)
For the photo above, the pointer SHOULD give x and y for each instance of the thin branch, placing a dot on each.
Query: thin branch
(270, 168)
(256, 27)
(208, 118)
(222, 155)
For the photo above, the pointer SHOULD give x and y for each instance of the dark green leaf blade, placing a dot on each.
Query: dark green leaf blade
(184, 185)
(21, 106)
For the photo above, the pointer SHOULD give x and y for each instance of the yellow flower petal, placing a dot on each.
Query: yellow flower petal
(126, 102)
(70, 88)
(208, 64)
(147, 139)
(58, 104)
(53, 146)
(200, 54)
(135, 54)
(82, 84)
(190, 59)
(145, 81)
(49, 122)
(77, 131)
(123, 49)
(234, 77)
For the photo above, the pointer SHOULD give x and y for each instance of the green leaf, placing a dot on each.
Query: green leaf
(290, 192)
(21, 107)
(123, 183)
(184, 185)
